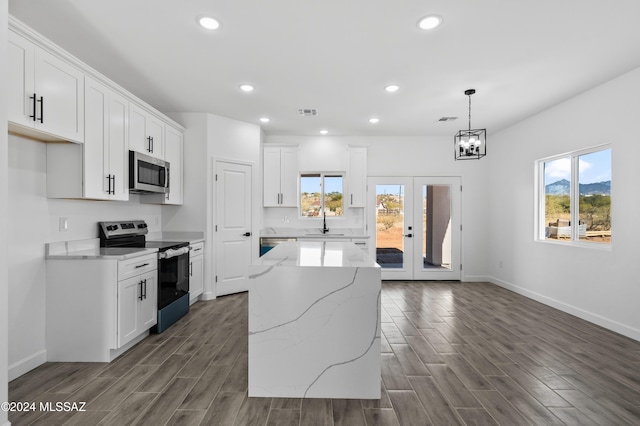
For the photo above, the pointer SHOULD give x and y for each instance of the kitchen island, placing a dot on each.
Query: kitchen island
(314, 322)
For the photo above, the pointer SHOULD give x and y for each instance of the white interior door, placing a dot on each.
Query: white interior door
(233, 226)
(415, 227)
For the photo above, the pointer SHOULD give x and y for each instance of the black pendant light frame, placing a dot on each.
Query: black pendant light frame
(470, 144)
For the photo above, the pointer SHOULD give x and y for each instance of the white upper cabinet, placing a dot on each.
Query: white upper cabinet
(280, 177)
(106, 143)
(174, 146)
(53, 96)
(357, 177)
(98, 168)
(146, 132)
(46, 94)
(174, 154)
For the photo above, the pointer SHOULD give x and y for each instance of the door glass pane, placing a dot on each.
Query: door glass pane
(390, 226)
(594, 183)
(557, 202)
(436, 222)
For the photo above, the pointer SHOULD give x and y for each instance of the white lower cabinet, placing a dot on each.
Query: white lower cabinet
(137, 306)
(196, 271)
(97, 308)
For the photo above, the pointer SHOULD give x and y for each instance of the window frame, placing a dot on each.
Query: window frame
(574, 197)
(322, 176)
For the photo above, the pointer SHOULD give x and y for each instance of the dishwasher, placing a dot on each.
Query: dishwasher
(267, 243)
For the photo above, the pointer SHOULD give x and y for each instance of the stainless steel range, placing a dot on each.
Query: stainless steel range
(173, 266)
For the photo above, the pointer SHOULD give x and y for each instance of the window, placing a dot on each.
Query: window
(575, 188)
(321, 194)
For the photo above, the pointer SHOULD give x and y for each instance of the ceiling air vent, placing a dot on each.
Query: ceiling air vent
(447, 118)
(307, 112)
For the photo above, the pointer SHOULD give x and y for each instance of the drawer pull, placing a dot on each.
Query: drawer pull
(142, 266)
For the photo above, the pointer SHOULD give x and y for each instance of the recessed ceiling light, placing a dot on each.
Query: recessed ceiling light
(209, 23)
(429, 22)
(264, 119)
(391, 88)
(374, 120)
(324, 132)
(246, 88)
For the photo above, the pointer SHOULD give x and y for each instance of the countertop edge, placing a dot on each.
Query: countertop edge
(78, 255)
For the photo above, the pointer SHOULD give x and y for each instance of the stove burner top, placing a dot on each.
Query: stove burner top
(132, 233)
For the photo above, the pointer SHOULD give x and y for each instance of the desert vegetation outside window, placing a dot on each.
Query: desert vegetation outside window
(321, 194)
(574, 200)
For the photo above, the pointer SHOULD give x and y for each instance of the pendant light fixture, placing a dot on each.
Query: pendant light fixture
(470, 144)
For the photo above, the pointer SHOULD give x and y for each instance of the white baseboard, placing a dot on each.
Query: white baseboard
(27, 364)
(607, 323)
(475, 278)
(207, 296)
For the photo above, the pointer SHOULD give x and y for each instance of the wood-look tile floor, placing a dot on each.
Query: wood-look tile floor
(452, 353)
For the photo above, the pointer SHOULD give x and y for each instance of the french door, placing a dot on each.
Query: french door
(414, 223)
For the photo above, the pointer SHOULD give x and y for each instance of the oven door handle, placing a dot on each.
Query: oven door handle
(168, 254)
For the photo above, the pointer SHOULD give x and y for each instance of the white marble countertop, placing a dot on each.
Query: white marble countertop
(314, 322)
(334, 233)
(316, 254)
(90, 249)
(191, 237)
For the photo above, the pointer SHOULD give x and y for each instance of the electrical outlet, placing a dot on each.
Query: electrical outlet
(63, 224)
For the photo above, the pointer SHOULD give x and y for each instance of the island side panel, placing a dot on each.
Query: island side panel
(314, 332)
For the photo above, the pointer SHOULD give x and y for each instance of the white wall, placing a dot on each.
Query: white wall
(33, 220)
(4, 280)
(210, 137)
(410, 156)
(598, 285)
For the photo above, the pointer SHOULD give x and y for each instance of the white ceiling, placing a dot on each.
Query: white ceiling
(337, 55)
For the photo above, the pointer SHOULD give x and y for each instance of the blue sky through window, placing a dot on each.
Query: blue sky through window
(593, 167)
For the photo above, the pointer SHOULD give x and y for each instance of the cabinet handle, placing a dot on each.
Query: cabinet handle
(145, 288)
(113, 191)
(149, 144)
(351, 198)
(143, 265)
(108, 184)
(190, 269)
(41, 109)
(198, 249)
(34, 107)
(151, 137)
(141, 296)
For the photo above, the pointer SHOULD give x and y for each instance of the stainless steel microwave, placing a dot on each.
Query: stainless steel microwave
(147, 174)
